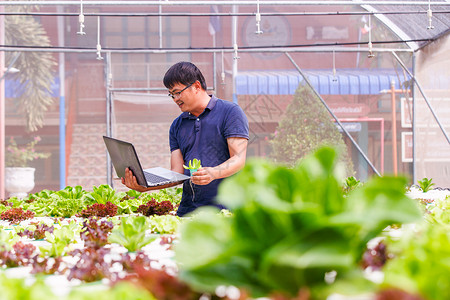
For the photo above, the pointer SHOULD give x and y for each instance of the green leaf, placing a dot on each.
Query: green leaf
(210, 232)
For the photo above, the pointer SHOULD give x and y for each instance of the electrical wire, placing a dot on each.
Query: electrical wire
(217, 49)
(206, 14)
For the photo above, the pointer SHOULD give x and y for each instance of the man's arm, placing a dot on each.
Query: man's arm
(238, 151)
(176, 161)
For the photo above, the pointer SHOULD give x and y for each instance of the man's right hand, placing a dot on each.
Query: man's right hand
(131, 182)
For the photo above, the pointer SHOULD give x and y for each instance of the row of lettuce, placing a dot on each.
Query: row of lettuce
(78, 232)
(103, 201)
(298, 233)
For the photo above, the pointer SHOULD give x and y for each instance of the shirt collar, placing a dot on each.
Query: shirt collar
(212, 102)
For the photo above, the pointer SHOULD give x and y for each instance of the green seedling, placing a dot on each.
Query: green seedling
(351, 183)
(426, 184)
(194, 164)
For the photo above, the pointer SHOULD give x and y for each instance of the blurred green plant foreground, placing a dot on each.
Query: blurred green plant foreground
(290, 228)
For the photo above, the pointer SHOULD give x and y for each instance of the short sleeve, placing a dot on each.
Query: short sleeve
(173, 141)
(236, 123)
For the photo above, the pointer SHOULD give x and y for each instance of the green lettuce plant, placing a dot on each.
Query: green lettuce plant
(120, 291)
(69, 201)
(64, 203)
(438, 212)
(165, 224)
(290, 227)
(130, 206)
(3, 207)
(171, 194)
(60, 239)
(70, 192)
(131, 233)
(24, 289)
(421, 262)
(351, 183)
(7, 239)
(20, 288)
(132, 194)
(64, 207)
(426, 184)
(102, 194)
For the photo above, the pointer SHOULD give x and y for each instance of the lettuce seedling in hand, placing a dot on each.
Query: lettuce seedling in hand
(194, 165)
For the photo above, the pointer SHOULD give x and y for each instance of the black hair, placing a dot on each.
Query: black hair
(184, 73)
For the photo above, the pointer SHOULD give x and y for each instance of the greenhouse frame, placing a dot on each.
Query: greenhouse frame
(360, 57)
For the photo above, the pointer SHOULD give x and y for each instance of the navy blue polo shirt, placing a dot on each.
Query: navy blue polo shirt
(205, 138)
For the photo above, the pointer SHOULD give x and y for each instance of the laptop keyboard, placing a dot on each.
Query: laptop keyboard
(155, 179)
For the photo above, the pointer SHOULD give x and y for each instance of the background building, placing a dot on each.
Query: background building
(117, 89)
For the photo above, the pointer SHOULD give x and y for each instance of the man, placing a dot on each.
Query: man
(209, 129)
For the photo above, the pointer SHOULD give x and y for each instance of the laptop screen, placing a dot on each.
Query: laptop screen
(123, 155)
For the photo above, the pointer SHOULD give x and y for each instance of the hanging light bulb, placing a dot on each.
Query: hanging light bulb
(430, 16)
(334, 66)
(222, 75)
(370, 55)
(258, 24)
(235, 52)
(81, 20)
(99, 47)
(258, 20)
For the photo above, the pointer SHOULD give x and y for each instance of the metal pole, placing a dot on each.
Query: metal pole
(303, 49)
(2, 108)
(382, 144)
(413, 122)
(160, 25)
(219, 2)
(424, 96)
(235, 59)
(108, 83)
(62, 101)
(394, 129)
(332, 114)
(214, 65)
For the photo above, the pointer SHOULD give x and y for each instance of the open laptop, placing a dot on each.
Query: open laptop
(123, 155)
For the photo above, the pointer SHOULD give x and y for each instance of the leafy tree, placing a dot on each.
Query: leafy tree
(36, 68)
(305, 127)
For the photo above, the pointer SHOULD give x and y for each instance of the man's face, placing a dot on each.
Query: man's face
(182, 96)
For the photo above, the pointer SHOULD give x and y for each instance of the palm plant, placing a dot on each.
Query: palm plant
(36, 68)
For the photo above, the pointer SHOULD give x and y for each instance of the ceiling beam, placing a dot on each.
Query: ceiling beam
(216, 2)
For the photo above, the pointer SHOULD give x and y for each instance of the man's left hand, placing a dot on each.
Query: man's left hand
(203, 176)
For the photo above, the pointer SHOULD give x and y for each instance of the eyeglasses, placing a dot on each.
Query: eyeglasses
(177, 94)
